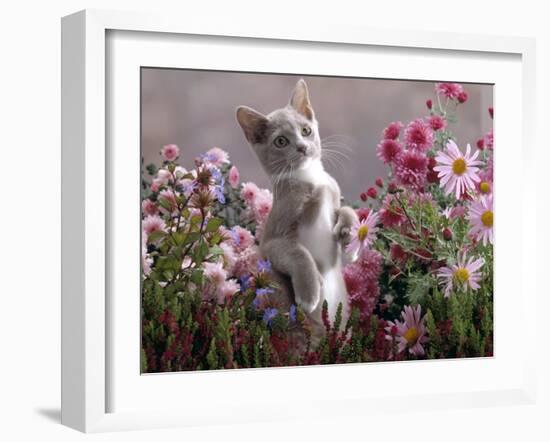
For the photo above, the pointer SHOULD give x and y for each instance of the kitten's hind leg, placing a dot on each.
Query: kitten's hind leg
(294, 260)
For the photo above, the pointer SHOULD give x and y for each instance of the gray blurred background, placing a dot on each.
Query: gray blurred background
(196, 111)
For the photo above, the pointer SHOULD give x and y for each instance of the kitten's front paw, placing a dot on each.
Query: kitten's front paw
(342, 234)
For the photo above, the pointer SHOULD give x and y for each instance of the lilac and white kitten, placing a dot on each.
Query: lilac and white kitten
(307, 230)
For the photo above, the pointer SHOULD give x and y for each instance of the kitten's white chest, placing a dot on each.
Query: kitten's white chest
(316, 236)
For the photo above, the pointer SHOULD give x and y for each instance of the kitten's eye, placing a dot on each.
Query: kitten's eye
(280, 141)
(306, 131)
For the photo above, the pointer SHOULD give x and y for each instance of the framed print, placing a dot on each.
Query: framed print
(267, 223)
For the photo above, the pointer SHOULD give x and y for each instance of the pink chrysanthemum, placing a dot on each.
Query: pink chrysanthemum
(485, 184)
(153, 223)
(410, 332)
(391, 213)
(362, 213)
(246, 261)
(146, 260)
(454, 212)
(363, 233)
(163, 176)
(411, 169)
(149, 207)
(262, 206)
(458, 172)
(437, 122)
(481, 219)
(170, 152)
(234, 177)
(227, 289)
(461, 276)
(214, 273)
(392, 131)
(249, 191)
(389, 150)
(489, 140)
(361, 278)
(419, 135)
(241, 238)
(449, 90)
(168, 201)
(217, 156)
(229, 257)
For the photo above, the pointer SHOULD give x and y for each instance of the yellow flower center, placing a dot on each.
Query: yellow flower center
(487, 218)
(362, 232)
(484, 187)
(411, 335)
(462, 275)
(459, 166)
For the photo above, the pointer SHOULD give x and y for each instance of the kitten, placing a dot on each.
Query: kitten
(307, 230)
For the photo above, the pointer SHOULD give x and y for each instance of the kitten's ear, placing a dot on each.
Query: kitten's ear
(300, 100)
(253, 123)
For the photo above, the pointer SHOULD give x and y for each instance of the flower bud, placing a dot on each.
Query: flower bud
(363, 196)
(371, 191)
(447, 234)
(379, 182)
(429, 104)
(462, 97)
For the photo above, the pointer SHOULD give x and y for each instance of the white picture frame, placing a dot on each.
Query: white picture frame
(86, 356)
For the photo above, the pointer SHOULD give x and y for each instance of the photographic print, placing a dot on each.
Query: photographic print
(292, 220)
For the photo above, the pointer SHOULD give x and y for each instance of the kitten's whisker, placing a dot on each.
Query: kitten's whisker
(335, 153)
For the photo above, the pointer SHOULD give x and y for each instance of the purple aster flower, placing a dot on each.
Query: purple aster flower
(188, 187)
(292, 313)
(264, 265)
(269, 315)
(218, 192)
(264, 291)
(244, 281)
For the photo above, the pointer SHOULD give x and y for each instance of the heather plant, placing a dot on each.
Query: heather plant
(421, 287)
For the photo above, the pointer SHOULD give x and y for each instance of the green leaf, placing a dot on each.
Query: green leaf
(191, 237)
(213, 224)
(156, 236)
(216, 251)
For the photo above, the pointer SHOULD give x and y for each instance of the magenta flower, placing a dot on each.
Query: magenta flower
(449, 90)
(437, 122)
(389, 150)
(458, 172)
(481, 219)
(234, 177)
(411, 169)
(419, 135)
(363, 233)
(170, 152)
(462, 275)
(392, 131)
(410, 332)
(361, 278)
(391, 214)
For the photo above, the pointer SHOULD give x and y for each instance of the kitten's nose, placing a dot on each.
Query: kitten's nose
(302, 148)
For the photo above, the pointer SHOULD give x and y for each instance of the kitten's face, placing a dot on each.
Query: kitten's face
(287, 139)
